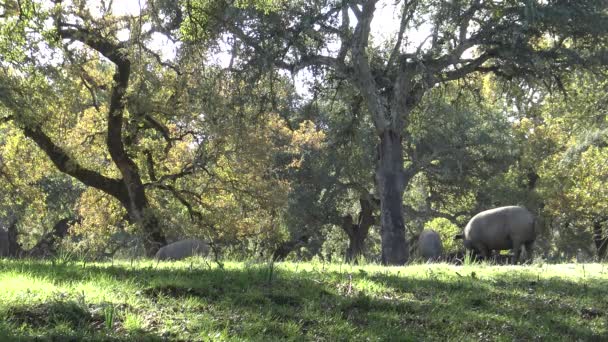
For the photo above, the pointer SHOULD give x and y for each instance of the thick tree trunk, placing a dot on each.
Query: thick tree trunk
(140, 213)
(153, 238)
(355, 246)
(356, 239)
(600, 238)
(390, 179)
(138, 206)
(388, 114)
(130, 190)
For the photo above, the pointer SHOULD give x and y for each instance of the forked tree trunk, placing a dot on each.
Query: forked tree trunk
(129, 191)
(390, 179)
(357, 233)
(133, 194)
(356, 242)
(136, 202)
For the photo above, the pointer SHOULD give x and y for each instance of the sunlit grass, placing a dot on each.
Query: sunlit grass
(197, 300)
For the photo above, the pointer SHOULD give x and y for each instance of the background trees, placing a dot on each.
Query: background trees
(509, 39)
(469, 105)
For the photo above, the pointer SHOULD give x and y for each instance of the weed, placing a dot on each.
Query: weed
(109, 313)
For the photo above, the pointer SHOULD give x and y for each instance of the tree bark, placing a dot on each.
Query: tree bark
(357, 233)
(14, 247)
(390, 179)
(600, 238)
(129, 191)
(138, 207)
(356, 238)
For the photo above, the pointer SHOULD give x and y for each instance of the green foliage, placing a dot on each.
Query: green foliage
(461, 152)
(210, 175)
(565, 142)
(236, 156)
(335, 244)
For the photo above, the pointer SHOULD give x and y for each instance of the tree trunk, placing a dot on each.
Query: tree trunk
(14, 247)
(132, 193)
(356, 238)
(138, 207)
(600, 239)
(140, 213)
(154, 238)
(390, 179)
(287, 247)
(129, 190)
(388, 113)
(355, 246)
(357, 233)
(47, 246)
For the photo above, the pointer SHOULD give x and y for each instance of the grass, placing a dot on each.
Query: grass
(195, 301)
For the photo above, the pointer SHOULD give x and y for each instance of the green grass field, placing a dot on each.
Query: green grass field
(196, 301)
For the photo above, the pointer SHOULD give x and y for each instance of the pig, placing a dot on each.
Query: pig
(429, 245)
(501, 228)
(182, 249)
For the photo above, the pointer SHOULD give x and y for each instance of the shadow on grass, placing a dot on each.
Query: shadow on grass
(62, 321)
(327, 305)
(521, 306)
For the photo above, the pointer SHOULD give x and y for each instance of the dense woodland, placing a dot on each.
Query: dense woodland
(286, 129)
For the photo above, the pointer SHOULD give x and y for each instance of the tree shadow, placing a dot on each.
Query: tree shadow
(259, 303)
(520, 306)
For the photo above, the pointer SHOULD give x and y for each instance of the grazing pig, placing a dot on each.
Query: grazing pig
(429, 245)
(499, 229)
(182, 249)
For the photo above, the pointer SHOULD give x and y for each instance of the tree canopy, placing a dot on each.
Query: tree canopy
(190, 118)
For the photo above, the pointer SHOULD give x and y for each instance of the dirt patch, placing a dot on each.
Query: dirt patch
(591, 313)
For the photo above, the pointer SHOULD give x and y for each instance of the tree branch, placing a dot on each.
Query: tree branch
(409, 8)
(159, 59)
(67, 165)
(363, 73)
(469, 67)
